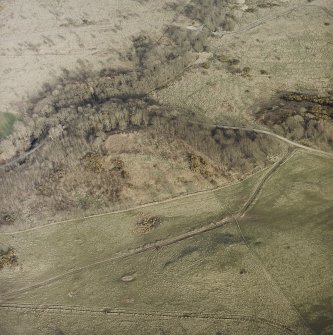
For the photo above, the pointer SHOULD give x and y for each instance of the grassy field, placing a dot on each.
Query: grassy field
(209, 284)
(212, 283)
(44, 323)
(6, 124)
(157, 269)
(54, 249)
(290, 230)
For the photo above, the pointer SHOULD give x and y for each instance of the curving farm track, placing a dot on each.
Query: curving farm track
(157, 244)
(164, 243)
(162, 315)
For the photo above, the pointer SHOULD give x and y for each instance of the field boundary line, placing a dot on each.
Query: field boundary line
(261, 131)
(241, 213)
(121, 255)
(247, 205)
(152, 245)
(272, 280)
(161, 243)
(149, 204)
(263, 180)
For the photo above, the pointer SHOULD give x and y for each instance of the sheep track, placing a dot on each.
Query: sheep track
(158, 315)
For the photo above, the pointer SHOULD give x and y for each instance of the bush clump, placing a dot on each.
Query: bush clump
(147, 223)
(7, 257)
(93, 162)
(6, 218)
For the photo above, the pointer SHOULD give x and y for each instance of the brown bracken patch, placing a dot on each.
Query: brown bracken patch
(147, 223)
(7, 258)
(92, 162)
(6, 218)
(198, 164)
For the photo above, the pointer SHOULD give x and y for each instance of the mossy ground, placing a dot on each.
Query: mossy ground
(6, 124)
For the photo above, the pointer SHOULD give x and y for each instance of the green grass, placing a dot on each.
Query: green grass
(284, 277)
(38, 323)
(55, 249)
(290, 229)
(6, 124)
(213, 273)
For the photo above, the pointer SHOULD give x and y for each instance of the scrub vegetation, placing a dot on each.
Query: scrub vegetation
(302, 117)
(164, 184)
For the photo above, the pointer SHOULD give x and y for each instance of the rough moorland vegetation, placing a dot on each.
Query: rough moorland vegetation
(7, 257)
(74, 169)
(155, 64)
(67, 127)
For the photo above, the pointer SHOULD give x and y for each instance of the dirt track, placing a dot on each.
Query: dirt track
(151, 246)
(148, 314)
(281, 138)
(262, 181)
(157, 244)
